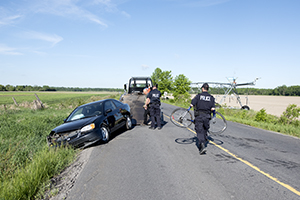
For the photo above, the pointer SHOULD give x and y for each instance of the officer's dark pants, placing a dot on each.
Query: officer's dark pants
(201, 127)
(155, 115)
(147, 112)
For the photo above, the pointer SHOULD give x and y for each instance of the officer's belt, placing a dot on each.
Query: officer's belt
(200, 112)
(155, 103)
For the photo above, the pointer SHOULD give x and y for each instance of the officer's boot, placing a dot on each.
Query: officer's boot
(202, 149)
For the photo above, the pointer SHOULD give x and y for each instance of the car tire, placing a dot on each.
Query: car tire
(128, 124)
(245, 107)
(105, 134)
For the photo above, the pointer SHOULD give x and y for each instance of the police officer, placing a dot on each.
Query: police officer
(153, 99)
(146, 108)
(203, 104)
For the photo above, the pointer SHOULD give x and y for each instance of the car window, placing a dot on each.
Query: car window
(77, 114)
(118, 104)
(86, 111)
(109, 105)
(97, 109)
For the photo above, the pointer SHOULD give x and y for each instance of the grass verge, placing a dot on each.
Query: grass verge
(27, 181)
(258, 119)
(26, 163)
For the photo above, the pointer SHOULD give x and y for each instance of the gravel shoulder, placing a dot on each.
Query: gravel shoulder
(64, 182)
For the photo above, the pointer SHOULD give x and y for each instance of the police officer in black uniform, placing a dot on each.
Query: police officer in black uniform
(203, 104)
(153, 99)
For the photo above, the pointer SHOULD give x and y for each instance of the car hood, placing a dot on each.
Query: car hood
(74, 125)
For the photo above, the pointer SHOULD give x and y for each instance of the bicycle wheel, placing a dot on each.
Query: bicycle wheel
(181, 117)
(218, 124)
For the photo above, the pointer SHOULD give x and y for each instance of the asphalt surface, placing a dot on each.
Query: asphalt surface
(242, 163)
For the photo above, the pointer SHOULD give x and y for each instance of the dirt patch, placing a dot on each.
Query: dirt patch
(63, 183)
(274, 105)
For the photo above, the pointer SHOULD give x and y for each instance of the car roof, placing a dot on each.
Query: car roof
(95, 102)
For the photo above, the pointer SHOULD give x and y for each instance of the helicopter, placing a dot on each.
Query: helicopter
(228, 88)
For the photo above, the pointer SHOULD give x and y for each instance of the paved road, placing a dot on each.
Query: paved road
(243, 163)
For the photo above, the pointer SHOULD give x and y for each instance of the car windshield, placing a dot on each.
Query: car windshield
(86, 111)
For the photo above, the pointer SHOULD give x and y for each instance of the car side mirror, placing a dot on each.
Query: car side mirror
(108, 111)
(125, 87)
(65, 120)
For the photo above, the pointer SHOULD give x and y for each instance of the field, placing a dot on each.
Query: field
(46, 97)
(274, 105)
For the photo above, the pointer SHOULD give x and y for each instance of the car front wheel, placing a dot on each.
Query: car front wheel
(105, 134)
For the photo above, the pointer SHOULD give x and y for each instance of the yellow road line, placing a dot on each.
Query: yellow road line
(252, 166)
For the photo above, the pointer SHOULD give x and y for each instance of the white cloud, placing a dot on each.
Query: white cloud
(200, 3)
(8, 50)
(109, 6)
(88, 10)
(9, 20)
(204, 3)
(94, 18)
(40, 53)
(66, 8)
(53, 38)
(145, 67)
(125, 14)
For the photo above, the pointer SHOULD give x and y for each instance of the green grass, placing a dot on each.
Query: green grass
(27, 181)
(26, 162)
(271, 123)
(49, 98)
(258, 119)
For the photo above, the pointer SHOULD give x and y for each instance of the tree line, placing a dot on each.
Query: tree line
(48, 88)
(278, 91)
(180, 85)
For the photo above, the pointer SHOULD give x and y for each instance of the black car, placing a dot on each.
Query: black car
(90, 123)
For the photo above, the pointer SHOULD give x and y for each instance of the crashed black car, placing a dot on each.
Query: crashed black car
(90, 123)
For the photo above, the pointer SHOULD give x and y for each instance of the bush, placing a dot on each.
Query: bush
(261, 116)
(290, 115)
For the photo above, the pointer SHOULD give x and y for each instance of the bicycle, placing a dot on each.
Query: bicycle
(183, 118)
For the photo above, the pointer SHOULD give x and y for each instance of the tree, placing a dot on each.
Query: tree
(164, 80)
(156, 75)
(2, 88)
(28, 88)
(281, 90)
(9, 88)
(19, 88)
(181, 87)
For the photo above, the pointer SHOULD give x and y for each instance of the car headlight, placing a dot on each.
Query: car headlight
(88, 128)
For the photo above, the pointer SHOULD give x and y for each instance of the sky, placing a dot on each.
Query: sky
(102, 43)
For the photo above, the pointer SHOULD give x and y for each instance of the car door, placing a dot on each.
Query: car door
(122, 112)
(112, 115)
